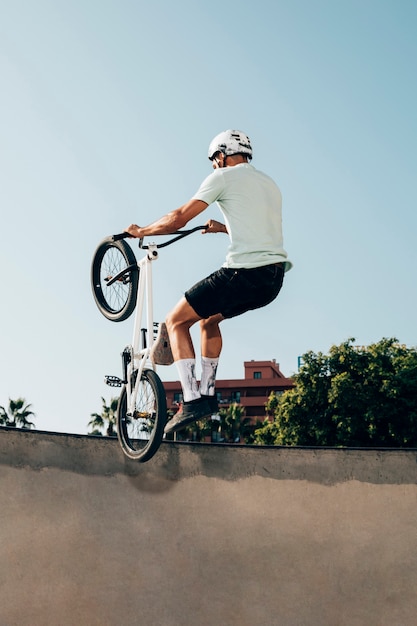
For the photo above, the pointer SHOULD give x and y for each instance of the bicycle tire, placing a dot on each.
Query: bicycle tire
(117, 301)
(141, 435)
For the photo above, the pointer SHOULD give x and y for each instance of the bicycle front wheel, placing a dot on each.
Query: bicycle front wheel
(140, 434)
(116, 301)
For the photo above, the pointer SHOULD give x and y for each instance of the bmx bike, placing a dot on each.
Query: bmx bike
(121, 283)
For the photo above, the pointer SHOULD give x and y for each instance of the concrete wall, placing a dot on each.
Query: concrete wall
(205, 535)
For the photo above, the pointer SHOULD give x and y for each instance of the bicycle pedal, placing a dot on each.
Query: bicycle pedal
(113, 381)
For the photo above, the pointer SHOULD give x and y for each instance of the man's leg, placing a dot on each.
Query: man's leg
(211, 338)
(179, 322)
(211, 345)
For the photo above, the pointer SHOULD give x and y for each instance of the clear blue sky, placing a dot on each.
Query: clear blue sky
(107, 109)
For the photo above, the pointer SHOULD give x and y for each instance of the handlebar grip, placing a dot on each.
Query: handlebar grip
(123, 235)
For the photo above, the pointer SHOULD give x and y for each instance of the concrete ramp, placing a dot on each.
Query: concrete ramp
(205, 535)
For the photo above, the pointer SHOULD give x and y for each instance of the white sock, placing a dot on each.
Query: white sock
(188, 379)
(208, 375)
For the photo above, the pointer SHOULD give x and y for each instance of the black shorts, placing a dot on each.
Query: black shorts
(232, 292)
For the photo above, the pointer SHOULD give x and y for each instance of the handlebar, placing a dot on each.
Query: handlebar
(179, 234)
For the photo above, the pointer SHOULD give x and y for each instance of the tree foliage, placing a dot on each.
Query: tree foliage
(354, 396)
(234, 425)
(106, 420)
(231, 426)
(16, 414)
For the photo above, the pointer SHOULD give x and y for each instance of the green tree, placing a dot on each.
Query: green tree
(234, 425)
(106, 419)
(266, 432)
(354, 396)
(197, 431)
(16, 414)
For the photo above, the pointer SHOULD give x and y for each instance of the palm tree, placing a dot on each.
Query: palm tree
(16, 414)
(106, 419)
(197, 431)
(234, 424)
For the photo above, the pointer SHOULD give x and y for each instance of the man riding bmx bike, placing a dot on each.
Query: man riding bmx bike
(250, 278)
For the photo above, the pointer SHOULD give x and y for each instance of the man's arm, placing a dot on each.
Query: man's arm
(171, 222)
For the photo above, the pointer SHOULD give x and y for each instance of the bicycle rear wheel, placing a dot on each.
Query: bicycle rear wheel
(140, 434)
(118, 300)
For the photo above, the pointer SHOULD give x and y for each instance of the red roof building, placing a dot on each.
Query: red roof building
(251, 392)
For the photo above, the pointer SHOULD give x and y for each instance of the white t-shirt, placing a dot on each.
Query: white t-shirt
(251, 205)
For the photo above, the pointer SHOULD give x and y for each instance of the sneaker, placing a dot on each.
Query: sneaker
(189, 412)
(161, 353)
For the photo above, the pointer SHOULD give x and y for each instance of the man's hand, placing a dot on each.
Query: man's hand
(212, 226)
(134, 231)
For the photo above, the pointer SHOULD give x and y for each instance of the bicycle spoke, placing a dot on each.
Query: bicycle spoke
(117, 293)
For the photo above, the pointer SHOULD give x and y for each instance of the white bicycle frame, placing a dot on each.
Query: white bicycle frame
(143, 336)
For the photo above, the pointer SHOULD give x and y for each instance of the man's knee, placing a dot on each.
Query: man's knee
(182, 315)
(174, 320)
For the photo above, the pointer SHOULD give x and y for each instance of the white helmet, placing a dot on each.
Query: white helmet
(230, 142)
